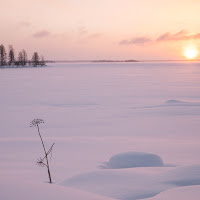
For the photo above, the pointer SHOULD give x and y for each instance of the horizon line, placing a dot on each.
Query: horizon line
(128, 60)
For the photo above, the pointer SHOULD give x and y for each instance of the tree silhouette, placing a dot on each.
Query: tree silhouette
(20, 58)
(35, 59)
(11, 55)
(25, 57)
(2, 55)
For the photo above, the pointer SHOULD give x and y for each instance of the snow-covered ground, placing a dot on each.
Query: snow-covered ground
(121, 131)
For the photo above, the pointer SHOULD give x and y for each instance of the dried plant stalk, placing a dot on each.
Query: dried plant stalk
(43, 162)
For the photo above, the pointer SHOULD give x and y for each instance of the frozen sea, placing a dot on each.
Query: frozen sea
(93, 111)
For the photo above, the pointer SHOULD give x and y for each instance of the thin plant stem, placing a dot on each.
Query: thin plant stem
(48, 168)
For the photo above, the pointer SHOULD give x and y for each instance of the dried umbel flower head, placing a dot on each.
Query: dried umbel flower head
(36, 122)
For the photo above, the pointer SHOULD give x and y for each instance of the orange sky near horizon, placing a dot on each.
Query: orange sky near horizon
(106, 29)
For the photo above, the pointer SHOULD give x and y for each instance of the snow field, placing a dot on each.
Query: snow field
(93, 112)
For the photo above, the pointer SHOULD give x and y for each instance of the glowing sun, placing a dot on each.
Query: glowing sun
(191, 52)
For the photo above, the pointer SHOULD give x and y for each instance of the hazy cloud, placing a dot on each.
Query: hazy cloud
(41, 34)
(137, 41)
(181, 35)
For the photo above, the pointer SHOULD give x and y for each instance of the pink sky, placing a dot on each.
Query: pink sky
(101, 29)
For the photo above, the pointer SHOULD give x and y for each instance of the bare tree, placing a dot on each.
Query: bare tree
(11, 55)
(2, 55)
(20, 58)
(35, 59)
(25, 57)
(43, 162)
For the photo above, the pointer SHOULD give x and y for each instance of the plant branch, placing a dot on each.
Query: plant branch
(50, 150)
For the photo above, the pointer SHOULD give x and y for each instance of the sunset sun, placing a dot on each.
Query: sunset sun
(191, 53)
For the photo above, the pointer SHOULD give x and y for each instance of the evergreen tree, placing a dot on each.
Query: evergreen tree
(2, 55)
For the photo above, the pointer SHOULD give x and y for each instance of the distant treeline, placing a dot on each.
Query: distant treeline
(10, 59)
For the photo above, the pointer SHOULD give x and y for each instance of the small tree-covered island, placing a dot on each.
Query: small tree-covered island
(10, 59)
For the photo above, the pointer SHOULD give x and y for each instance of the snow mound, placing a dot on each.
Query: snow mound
(172, 101)
(184, 176)
(134, 159)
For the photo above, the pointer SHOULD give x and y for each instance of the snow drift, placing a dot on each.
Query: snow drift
(32, 190)
(123, 184)
(135, 183)
(183, 193)
(184, 176)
